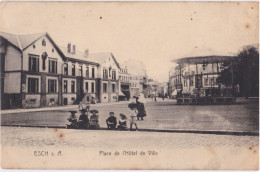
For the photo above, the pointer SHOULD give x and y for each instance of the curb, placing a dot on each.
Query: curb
(55, 108)
(235, 133)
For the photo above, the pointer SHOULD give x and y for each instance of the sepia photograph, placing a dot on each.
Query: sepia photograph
(129, 85)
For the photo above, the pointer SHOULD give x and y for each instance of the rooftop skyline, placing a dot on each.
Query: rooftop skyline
(152, 32)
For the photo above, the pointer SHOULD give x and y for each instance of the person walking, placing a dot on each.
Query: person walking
(140, 101)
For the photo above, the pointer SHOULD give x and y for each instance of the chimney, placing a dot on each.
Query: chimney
(73, 49)
(86, 53)
(69, 47)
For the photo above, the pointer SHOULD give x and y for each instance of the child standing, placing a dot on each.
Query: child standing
(133, 115)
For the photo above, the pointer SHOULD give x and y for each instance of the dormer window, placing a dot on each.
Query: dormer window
(43, 42)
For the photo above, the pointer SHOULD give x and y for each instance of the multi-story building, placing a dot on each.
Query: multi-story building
(196, 77)
(36, 72)
(32, 70)
(79, 77)
(108, 76)
(138, 77)
(125, 83)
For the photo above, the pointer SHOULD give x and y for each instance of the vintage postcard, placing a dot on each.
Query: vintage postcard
(129, 85)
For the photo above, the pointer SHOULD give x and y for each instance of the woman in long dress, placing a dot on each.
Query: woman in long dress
(140, 106)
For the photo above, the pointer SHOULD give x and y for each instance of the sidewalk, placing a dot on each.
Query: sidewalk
(10, 111)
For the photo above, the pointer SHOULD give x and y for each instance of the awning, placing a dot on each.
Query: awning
(121, 93)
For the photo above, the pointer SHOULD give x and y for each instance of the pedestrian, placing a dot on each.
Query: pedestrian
(140, 101)
(111, 121)
(94, 123)
(80, 106)
(133, 115)
(83, 120)
(122, 122)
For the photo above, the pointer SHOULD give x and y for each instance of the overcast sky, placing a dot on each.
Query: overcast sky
(153, 32)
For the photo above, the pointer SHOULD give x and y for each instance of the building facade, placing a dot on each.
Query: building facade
(125, 83)
(197, 77)
(138, 77)
(36, 72)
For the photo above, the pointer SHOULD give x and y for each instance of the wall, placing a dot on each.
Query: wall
(70, 97)
(39, 50)
(31, 101)
(12, 83)
(12, 59)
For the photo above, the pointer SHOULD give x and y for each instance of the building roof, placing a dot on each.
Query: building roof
(102, 57)
(22, 41)
(135, 67)
(201, 55)
(78, 56)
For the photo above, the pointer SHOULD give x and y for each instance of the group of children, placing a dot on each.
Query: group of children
(112, 121)
(85, 122)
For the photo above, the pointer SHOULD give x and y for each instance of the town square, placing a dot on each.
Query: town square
(137, 85)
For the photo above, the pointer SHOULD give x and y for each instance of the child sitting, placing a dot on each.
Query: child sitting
(133, 115)
(94, 123)
(73, 119)
(111, 121)
(83, 119)
(122, 122)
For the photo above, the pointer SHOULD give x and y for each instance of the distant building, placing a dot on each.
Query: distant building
(138, 77)
(36, 72)
(197, 76)
(124, 84)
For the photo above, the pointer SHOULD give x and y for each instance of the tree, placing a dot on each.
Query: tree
(245, 69)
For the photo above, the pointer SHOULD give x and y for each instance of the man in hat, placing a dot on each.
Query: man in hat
(111, 121)
(94, 123)
(83, 119)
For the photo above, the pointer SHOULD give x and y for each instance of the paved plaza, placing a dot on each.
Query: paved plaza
(241, 117)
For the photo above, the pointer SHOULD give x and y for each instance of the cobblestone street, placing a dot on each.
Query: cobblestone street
(37, 137)
(48, 148)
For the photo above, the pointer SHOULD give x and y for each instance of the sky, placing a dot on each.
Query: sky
(152, 32)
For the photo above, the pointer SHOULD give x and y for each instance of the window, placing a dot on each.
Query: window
(43, 42)
(52, 85)
(33, 63)
(73, 86)
(113, 88)
(92, 87)
(73, 69)
(33, 85)
(104, 87)
(93, 72)
(105, 76)
(86, 87)
(52, 66)
(87, 72)
(191, 82)
(65, 86)
(113, 74)
(65, 69)
(80, 71)
(206, 82)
